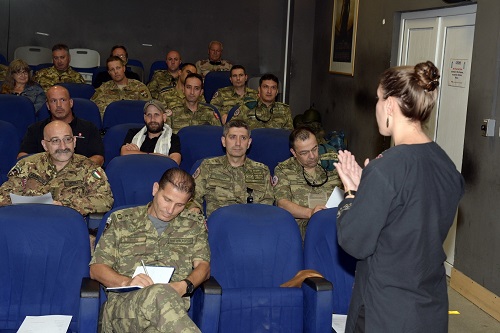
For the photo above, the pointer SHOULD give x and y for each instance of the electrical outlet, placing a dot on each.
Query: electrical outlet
(488, 127)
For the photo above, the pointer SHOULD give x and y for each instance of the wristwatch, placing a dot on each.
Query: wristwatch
(189, 288)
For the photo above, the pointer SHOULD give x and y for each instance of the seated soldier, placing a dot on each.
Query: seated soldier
(60, 72)
(301, 185)
(214, 63)
(88, 138)
(173, 96)
(265, 111)
(192, 112)
(73, 180)
(121, 52)
(120, 87)
(162, 233)
(232, 178)
(165, 78)
(154, 138)
(225, 98)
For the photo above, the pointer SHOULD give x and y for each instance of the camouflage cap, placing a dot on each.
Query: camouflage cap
(159, 105)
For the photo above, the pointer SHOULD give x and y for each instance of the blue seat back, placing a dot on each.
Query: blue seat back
(45, 252)
(122, 112)
(323, 253)
(199, 141)
(269, 146)
(79, 90)
(113, 140)
(214, 81)
(82, 107)
(9, 148)
(159, 64)
(253, 246)
(131, 177)
(17, 110)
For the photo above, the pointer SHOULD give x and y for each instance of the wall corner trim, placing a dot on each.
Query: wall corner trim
(477, 294)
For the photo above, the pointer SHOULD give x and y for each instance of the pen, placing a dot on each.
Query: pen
(144, 267)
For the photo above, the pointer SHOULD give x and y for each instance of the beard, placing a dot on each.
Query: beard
(154, 127)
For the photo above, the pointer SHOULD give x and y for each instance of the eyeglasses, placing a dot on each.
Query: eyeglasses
(250, 195)
(313, 183)
(56, 141)
(21, 72)
(264, 120)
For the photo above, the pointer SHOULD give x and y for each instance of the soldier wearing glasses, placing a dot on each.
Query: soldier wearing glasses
(265, 112)
(73, 180)
(301, 185)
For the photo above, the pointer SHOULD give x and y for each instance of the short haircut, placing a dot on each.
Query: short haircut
(180, 179)
(114, 58)
(196, 75)
(215, 42)
(300, 133)
(236, 123)
(269, 76)
(237, 67)
(58, 47)
(119, 47)
(186, 64)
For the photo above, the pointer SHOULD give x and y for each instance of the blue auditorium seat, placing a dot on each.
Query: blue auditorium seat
(45, 252)
(9, 148)
(213, 82)
(254, 249)
(82, 107)
(269, 146)
(122, 112)
(198, 142)
(323, 254)
(113, 140)
(17, 110)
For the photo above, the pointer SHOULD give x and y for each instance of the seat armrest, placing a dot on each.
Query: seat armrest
(205, 303)
(318, 305)
(89, 306)
(89, 288)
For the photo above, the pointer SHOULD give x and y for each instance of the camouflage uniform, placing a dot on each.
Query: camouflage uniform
(79, 185)
(3, 72)
(110, 92)
(225, 98)
(221, 184)
(129, 237)
(289, 184)
(205, 66)
(47, 77)
(161, 79)
(172, 98)
(277, 115)
(180, 117)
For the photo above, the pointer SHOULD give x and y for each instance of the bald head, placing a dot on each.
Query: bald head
(59, 142)
(173, 61)
(59, 104)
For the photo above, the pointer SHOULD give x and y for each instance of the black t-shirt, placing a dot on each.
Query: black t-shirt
(88, 138)
(148, 146)
(105, 77)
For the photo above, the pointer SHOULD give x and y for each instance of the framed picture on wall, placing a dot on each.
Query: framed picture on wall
(344, 28)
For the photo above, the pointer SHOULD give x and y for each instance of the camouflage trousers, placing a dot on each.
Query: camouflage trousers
(157, 308)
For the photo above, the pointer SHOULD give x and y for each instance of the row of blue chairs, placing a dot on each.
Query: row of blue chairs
(254, 249)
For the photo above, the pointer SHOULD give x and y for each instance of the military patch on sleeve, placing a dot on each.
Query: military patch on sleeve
(144, 93)
(108, 223)
(216, 94)
(274, 180)
(15, 171)
(96, 174)
(168, 112)
(196, 173)
(237, 112)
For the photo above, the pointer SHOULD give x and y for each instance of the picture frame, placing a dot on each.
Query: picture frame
(344, 30)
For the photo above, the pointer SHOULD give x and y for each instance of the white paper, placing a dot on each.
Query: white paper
(45, 324)
(22, 199)
(156, 273)
(338, 322)
(335, 198)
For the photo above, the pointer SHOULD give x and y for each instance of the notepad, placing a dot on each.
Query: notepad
(159, 274)
(45, 324)
(335, 198)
